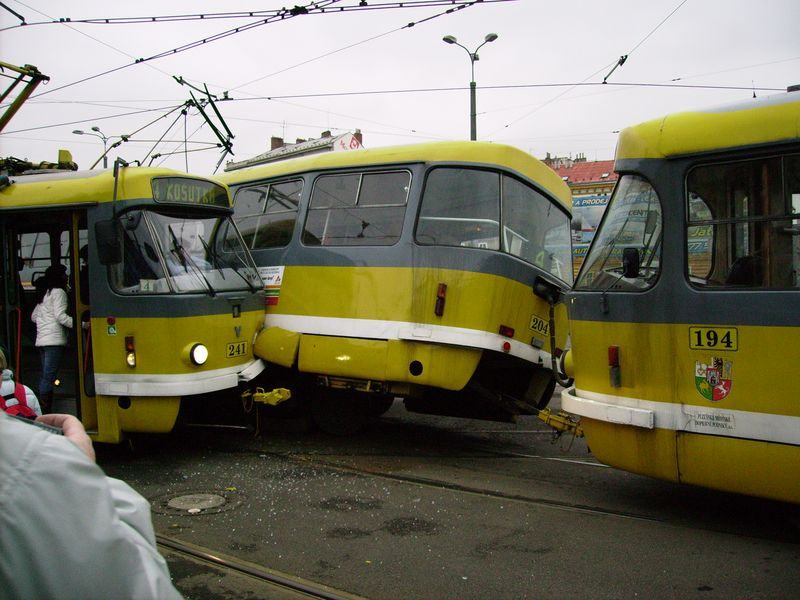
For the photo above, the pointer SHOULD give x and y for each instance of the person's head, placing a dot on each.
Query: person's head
(3, 363)
(55, 276)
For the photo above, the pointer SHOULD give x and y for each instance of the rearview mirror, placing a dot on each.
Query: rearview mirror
(107, 236)
(630, 262)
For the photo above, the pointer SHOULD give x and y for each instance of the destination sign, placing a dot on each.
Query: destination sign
(183, 190)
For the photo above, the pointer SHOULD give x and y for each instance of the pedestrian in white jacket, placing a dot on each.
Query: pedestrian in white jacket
(52, 321)
(66, 529)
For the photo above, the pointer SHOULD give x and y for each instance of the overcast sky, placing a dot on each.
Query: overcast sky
(298, 77)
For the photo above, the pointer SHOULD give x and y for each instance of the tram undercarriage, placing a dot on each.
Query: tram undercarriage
(500, 388)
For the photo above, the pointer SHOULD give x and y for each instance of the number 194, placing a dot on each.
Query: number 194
(718, 338)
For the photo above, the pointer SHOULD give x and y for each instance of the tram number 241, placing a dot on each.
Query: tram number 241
(236, 349)
(717, 338)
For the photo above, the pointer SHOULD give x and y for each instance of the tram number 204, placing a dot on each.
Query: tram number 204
(718, 338)
(236, 349)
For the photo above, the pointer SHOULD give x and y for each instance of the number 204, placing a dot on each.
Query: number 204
(717, 338)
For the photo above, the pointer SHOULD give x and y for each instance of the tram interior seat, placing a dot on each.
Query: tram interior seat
(747, 271)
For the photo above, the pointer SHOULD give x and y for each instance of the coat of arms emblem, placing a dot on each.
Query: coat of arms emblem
(713, 380)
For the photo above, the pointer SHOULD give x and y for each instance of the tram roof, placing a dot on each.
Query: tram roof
(754, 122)
(474, 153)
(60, 188)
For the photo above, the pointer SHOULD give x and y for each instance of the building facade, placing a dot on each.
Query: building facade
(280, 150)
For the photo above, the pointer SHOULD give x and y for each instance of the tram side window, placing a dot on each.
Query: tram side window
(357, 209)
(266, 214)
(35, 254)
(536, 229)
(633, 219)
(744, 224)
(460, 207)
(465, 207)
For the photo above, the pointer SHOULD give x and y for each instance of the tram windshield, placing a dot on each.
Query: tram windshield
(474, 208)
(165, 253)
(632, 220)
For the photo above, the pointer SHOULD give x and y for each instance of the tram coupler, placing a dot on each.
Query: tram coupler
(560, 421)
(271, 398)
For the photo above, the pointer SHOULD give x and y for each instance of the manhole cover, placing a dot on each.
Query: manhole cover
(196, 502)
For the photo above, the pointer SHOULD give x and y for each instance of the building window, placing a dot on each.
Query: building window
(357, 209)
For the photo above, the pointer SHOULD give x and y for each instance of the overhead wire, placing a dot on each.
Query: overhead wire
(619, 62)
(428, 90)
(66, 23)
(318, 6)
(246, 14)
(456, 5)
(281, 15)
(94, 119)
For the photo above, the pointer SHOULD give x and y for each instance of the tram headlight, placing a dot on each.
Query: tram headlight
(198, 354)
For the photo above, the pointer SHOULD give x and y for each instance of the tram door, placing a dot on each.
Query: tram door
(33, 241)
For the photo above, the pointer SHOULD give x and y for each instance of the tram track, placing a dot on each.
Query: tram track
(366, 462)
(277, 581)
(484, 492)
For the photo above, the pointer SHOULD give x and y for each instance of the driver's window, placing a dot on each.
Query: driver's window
(141, 264)
(633, 221)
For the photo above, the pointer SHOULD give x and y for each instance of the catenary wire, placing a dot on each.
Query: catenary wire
(619, 62)
(247, 14)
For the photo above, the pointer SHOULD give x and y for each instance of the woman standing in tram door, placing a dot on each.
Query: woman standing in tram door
(52, 320)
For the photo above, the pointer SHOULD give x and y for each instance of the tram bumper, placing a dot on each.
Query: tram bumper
(252, 370)
(618, 414)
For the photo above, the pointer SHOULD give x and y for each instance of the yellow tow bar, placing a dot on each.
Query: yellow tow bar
(271, 398)
(560, 421)
(260, 396)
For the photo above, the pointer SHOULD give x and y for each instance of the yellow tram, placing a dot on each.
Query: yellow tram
(410, 272)
(685, 317)
(165, 297)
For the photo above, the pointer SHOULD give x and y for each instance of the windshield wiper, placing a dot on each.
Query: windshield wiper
(186, 258)
(215, 257)
(233, 266)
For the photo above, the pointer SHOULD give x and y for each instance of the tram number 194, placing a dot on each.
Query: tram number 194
(236, 349)
(718, 338)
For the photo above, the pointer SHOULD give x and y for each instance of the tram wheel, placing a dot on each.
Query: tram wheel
(379, 405)
(546, 395)
(339, 412)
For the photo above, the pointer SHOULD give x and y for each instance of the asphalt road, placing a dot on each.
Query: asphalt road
(431, 507)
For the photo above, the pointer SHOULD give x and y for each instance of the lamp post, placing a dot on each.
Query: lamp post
(473, 56)
(99, 134)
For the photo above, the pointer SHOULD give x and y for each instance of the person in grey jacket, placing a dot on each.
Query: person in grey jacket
(66, 529)
(52, 321)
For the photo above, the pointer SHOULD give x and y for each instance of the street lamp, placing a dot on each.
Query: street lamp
(473, 56)
(99, 134)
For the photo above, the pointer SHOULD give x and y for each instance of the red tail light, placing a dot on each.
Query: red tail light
(441, 293)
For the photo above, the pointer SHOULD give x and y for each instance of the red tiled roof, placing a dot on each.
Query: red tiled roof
(588, 172)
